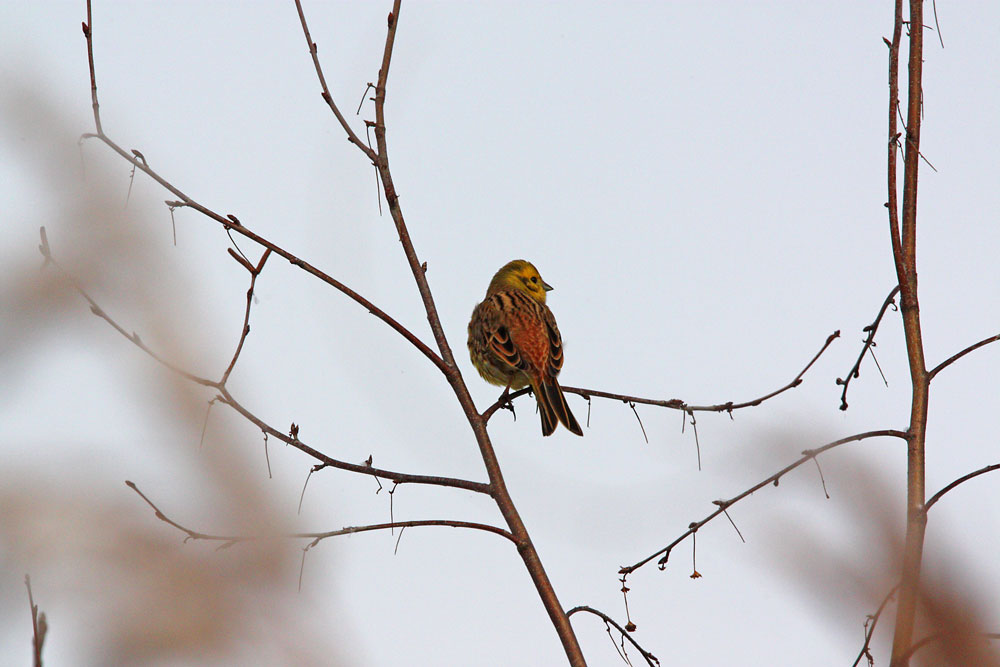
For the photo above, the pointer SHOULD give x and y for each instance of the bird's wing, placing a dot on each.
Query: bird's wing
(555, 360)
(520, 335)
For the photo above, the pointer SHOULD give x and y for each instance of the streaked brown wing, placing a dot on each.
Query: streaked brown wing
(555, 360)
(503, 346)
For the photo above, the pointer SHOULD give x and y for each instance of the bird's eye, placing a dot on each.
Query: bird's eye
(534, 279)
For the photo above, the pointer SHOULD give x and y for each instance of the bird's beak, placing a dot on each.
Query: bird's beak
(547, 287)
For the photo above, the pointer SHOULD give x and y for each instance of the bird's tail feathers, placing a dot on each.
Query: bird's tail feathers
(553, 409)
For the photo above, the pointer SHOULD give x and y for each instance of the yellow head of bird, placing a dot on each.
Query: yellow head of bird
(520, 275)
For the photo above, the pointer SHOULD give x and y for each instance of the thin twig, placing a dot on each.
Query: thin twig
(870, 624)
(892, 203)
(821, 478)
(88, 32)
(871, 329)
(204, 424)
(395, 549)
(39, 626)
(695, 574)
(937, 26)
(958, 355)
(735, 527)
(229, 540)
(97, 310)
(267, 458)
(650, 659)
(327, 97)
(697, 442)
(961, 480)
(226, 397)
(302, 567)
(234, 225)
(363, 96)
(638, 419)
(871, 351)
(723, 505)
(676, 403)
(395, 477)
(303, 494)
(245, 331)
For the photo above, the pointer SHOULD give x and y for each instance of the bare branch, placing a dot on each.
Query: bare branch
(229, 540)
(230, 223)
(650, 659)
(938, 636)
(326, 461)
(870, 624)
(327, 97)
(39, 626)
(498, 487)
(955, 357)
(965, 478)
(226, 397)
(724, 505)
(892, 204)
(905, 260)
(869, 343)
(132, 337)
(674, 403)
(445, 362)
(254, 272)
(88, 32)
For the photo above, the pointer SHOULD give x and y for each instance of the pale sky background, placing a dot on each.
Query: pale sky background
(703, 184)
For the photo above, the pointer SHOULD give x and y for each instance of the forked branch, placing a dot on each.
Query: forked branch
(904, 250)
(231, 223)
(226, 397)
(449, 367)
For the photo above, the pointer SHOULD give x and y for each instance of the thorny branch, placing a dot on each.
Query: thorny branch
(723, 505)
(675, 403)
(871, 329)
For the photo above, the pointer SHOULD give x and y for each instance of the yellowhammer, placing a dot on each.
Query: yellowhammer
(514, 341)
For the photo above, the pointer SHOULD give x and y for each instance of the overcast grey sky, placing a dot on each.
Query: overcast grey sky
(703, 184)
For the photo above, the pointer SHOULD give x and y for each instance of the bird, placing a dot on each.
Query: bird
(514, 342)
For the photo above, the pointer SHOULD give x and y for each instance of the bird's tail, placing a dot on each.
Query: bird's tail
(553, 409)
